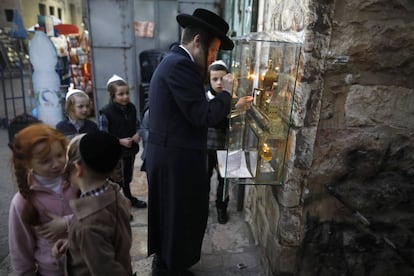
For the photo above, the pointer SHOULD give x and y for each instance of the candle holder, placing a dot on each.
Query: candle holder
(266, 155)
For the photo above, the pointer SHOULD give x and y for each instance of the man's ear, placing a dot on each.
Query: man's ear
(196, 40)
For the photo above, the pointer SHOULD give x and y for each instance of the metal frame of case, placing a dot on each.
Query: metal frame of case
(259, 140)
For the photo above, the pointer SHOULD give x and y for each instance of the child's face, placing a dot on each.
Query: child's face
(121, 95)
(70, 173)
(72, 176)
(216, 80)
(52, 164)
(81, 108)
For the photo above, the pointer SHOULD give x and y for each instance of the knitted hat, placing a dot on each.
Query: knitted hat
(100, 151)
(219, 63)
(209, 21)
(114, 78)
(74, 91)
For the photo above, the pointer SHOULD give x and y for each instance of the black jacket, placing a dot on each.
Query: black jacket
(176, 158)
(122, 122)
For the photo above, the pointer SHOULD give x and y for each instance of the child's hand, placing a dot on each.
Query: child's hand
(126, 142)
(54, 229)
(59, 248)
(244, 103)
(136, 138)
(227, 83)
(234, 89)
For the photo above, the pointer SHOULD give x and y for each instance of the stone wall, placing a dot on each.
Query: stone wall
(363, 163)
(368, 84)
(352, 143)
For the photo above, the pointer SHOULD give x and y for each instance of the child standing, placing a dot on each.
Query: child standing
(99, 239)
(39, 157)
(119, 118)
(77, 108)
(216, 137)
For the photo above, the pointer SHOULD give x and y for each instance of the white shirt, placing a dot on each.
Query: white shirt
(53, 184)
(191, 56)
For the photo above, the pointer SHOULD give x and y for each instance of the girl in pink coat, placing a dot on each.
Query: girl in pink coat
(39, 212)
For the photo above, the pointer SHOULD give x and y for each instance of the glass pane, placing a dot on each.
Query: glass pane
(264, 66)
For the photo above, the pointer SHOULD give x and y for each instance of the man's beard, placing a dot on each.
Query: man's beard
(204, 69)
(205, 77)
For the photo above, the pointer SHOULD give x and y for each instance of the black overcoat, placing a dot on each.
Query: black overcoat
(177, 158)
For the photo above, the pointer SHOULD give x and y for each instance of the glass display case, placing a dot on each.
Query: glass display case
(267, 67)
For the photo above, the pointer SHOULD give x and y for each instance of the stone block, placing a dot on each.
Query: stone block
(289, 226)
(289, 195)
(281, 258)
(374, 105)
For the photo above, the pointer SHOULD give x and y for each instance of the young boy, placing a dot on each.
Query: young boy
(216, 136)
(99, 239)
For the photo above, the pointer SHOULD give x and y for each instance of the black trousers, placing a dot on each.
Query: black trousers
(212, 164)
(123, 174)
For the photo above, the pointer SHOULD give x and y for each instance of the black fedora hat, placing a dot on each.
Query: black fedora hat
(209, 21)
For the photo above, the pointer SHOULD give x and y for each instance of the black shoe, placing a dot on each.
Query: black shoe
(135, 202)
(222, 216)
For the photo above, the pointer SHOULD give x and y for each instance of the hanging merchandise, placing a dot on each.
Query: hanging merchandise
(80, 64)
(46, 82)
(62, 67)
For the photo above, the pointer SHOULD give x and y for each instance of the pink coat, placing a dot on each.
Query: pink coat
(27, 247)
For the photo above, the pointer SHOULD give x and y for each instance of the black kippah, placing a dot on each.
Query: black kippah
(100, 151)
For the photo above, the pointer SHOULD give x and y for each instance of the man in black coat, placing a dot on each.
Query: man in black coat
(176, 156)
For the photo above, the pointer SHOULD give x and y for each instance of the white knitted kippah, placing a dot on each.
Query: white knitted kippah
(114, 78)
(220, 62)
(72, 91)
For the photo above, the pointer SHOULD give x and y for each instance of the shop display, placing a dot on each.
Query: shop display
(13, 52)
(80, 64)
(266, 67)
(14, 65)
